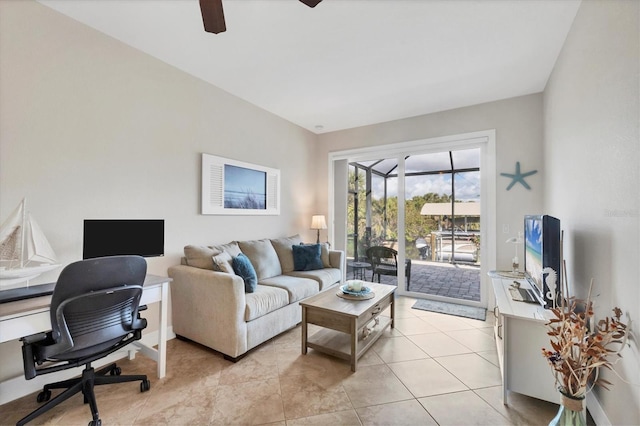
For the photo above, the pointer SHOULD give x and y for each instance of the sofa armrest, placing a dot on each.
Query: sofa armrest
(209, 307)
(336, 259)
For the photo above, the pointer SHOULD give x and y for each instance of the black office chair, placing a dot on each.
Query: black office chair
(94, 312)
(384, 261)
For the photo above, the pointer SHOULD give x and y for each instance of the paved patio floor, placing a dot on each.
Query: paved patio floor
(457, 281)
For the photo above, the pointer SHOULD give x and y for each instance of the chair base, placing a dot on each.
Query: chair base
(85, 384)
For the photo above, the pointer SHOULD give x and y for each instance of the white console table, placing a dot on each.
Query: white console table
(521, 333)
(24, 317)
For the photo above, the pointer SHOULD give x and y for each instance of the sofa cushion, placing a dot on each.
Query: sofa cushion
(200, 256)
(325, 277)
(222, 262)
(263, 300)
(231, 248)
(297, 287)
(282, 246)
(242, 266)
(306, 257)
(263, 257)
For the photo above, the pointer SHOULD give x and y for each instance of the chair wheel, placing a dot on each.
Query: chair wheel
(95, 422)
(44, 396)
(116, 371)
(145, 385)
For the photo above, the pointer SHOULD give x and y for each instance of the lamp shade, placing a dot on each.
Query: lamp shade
(318, 222)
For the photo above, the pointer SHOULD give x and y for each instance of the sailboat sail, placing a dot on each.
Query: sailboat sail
(11, 235)
(10, 247)
(38, 247)
(25, 252)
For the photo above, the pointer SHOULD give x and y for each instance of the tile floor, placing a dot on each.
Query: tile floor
(432, 369)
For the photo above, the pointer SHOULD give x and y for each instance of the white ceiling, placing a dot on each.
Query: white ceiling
(348, 63)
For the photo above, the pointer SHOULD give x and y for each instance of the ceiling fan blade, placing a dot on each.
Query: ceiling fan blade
(311, 3)
(213, 16)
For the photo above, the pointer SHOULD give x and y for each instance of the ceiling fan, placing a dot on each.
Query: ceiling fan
(213, 15)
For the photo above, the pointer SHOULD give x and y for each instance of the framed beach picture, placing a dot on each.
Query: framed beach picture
(232, 187)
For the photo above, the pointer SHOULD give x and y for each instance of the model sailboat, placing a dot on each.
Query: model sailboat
(25, 252)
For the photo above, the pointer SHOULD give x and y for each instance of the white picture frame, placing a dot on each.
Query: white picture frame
(231, 187)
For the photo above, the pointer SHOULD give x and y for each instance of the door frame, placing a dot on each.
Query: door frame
(484, 139)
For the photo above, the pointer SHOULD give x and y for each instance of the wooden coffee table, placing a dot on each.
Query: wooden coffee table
(350, 326)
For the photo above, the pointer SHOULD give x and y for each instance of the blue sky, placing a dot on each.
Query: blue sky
(239, 179)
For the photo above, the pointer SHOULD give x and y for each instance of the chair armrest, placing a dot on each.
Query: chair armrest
(33, 338)
(29, 348)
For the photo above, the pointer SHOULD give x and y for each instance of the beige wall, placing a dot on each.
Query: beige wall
(592, 179)
(92, 128)
(518, 125)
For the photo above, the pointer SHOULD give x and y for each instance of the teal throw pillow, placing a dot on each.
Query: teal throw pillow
(306, 257)
(242, 266)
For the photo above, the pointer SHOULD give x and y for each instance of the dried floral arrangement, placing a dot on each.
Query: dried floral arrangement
(579, 348)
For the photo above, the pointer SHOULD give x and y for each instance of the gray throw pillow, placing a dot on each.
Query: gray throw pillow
(200, 256)
(222, 262)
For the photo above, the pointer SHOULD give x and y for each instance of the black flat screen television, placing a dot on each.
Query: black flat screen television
(114, 237)
(542, 249)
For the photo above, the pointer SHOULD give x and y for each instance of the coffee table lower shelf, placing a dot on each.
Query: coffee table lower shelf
(339, 344)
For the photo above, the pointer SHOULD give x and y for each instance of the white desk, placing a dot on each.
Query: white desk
(521, 333)
(24, 317)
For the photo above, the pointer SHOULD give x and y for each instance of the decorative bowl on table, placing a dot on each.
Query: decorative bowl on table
(348, 288)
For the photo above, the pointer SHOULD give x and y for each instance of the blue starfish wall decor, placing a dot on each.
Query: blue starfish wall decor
(518, 177)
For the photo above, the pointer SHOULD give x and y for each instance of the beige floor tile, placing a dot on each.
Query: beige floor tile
(342, 418)
(177, 399)
(310, 395)
(487, 323)
(462, 408)
(474, 339)
(395, 413)
(395, 349)
(491, 356)
(291, 362)
(255, 402)
(425, 377)
(521, 410)
(414, 325)
(402, 312)
(194, 409)
(370, 357)
(374, 384)
(439, 344)
(447, 322)
(261, 365)
(472, 370)
(293, 337)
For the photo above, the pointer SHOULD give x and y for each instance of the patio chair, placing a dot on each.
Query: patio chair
(384, 261)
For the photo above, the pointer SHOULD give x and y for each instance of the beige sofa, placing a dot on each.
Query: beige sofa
(212, 308)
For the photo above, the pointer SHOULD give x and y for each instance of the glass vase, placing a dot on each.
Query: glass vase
(570, 412)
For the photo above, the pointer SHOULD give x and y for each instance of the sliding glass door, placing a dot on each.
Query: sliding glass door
(442, 224)
(422, 201)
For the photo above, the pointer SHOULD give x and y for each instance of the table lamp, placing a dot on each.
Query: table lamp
(318, 222)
